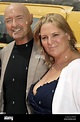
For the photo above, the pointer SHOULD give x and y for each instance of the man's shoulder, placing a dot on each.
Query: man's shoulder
(8, 46)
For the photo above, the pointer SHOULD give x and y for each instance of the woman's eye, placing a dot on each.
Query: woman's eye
(55, 35)
(43, 38)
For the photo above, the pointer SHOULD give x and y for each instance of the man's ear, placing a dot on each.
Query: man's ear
(31, 19)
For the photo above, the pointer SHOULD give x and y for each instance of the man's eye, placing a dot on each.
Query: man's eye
(20, 18)
(8, 21)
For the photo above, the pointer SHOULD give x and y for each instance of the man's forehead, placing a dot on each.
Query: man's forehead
(15, 8)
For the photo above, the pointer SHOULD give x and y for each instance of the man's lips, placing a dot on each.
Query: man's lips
(16, 31)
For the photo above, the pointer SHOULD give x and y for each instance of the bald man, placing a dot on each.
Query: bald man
(21, 62)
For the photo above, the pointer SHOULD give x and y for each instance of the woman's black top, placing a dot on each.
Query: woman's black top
(41, 102)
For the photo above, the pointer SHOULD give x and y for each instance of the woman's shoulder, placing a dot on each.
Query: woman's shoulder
(75, 62)
(73, 66)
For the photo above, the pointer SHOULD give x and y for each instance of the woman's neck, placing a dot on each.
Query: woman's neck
(65, 59)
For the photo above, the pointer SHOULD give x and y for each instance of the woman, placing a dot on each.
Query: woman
(57, 41)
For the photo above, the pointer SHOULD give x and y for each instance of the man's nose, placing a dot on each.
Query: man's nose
(14, 22)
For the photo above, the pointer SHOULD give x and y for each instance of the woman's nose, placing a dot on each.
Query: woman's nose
(49, 40)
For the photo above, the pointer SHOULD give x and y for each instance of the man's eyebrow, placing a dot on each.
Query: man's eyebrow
(11, 17)
(19, 15)
(7, 18)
